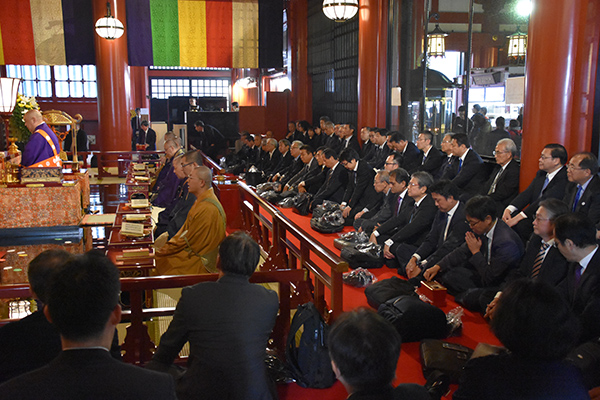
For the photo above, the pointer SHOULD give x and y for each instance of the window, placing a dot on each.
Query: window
(163, 88)
(62, 81)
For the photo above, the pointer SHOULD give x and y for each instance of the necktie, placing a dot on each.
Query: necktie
(447, 219)
(399, 204)
(413, 213)
(578, 272)
(424, 158)
(459, 164)
(546, 182)
(493, 187)
(485, 248)
(577, 196)
(539, 259)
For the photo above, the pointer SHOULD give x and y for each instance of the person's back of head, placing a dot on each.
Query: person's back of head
(534, 322)
(364, 349)
(577, 228)
(42, 268)
(239, 254)
(82, 296)
(480, 207)
(193, 156)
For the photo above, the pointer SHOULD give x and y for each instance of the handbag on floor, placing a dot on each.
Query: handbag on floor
(448, 358)
(364, 255)
(380, 292)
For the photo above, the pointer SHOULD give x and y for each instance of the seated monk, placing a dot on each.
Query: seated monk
(42, 149)
(167, 182)
(194, 249)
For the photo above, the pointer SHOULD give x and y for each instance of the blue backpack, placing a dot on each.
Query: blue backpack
(308, 357)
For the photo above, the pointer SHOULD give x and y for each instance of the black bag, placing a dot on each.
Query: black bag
(325, 207)
(254, 178)
(302, 203)
(586, 357)
(448, 358)
(365, 255)
(330, 222)
(309, 360)
(380, 292)
(414, 319)
(350, 239)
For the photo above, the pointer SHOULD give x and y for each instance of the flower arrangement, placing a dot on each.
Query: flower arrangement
(17, 124)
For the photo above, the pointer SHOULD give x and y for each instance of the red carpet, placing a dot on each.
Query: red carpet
(475, 329)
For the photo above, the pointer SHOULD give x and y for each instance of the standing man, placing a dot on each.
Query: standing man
(147, 136)
(459, 125)
(43, 148)
(583, 194)
(549, 182)
(503, 183)
(136, 124)
(430, 158)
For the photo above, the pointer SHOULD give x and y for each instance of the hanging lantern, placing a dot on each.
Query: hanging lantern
(109, 27)
(517, 44)
(340, 10)
(436, 42)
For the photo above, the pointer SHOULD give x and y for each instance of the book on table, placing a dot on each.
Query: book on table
(132, 229)
(139, 203)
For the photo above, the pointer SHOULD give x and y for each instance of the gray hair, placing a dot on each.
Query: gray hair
(384, 176)
(509, 145)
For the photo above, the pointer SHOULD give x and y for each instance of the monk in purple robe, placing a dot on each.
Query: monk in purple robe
(43, 147)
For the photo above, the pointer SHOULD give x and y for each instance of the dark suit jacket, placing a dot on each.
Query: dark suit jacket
(148, 138)
(434, 248)
(284, 162)
(334, 186)
(432, 163)
(471, 176)
(315, 180)
(360, 191)
(384, 209)
(585, 297)
(378, 156)
(554, 267)
(366, 149)
(412, 231)
(589, 203)
(446, 164)
(528, 200)
(89, 374)
(295, 167)
(410, 157)
(307, 171)
(227, 324)
(27, 344)
(333, 142)
(269, 162)
(507, 186)
(505, 376)
(352, 144)
(171, 219)
(507, 250)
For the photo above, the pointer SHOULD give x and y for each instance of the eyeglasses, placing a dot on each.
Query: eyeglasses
(413, 184)
(572, 167)
(447, 141)
(541, 219)
(495, 152)
(472, 223)
(543, 157)
(421, 139)
(185, 165)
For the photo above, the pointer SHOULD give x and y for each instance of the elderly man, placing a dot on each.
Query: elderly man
(503, 183)
(227, 324)
(583, 194)
(42, 149)
(430, 158)
(194, 249)
(377, 212)
(163, 193)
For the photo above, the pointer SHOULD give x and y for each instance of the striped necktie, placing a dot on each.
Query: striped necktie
(539, 259)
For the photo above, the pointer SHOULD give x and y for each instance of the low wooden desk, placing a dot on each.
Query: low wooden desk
(125, 208)
(131, 267)
(117, 240)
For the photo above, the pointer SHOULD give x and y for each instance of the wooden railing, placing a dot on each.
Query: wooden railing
(212, 164)
(286, 244)
(138, 347)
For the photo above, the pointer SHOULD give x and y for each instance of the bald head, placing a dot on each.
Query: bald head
(33, 118)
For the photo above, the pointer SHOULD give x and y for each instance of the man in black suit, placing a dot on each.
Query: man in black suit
(331, 140)
(407, 149)
(430, 158)
(583, 193)
(135, 126)
(576, 240)
(364, 350)
(335, 183)
(381, 150)
(349, 140)
(359, 191)
(490, 251)
(271, 157)
(550, 182)
(227, 324)
(503, 183)
(310, 168)
(447, 232)
(83, 306)
(542, 260)
(286, 158)
(492, 138)
(147, 136)
(287, 173)
(466, 171)
(377, 213)
(402, 235)
(32, 342)
(367, 143)
(447, 156)
(313, 181)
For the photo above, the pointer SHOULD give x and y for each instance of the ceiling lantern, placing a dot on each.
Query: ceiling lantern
(436, 42)
(340, 10)
(517, 44)
(109, 27)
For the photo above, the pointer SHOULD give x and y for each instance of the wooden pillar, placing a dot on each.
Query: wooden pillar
(560, 80)
(140, 91)
(300, 106)
(372, 62)
(114, 130)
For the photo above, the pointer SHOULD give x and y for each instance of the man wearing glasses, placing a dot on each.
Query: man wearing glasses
(583, 193)
(490, 251)
(503, 183)
(550, 182)
(430, 158)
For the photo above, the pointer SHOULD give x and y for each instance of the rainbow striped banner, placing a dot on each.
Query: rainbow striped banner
(46, 32)
(188, 33)
(205, 33)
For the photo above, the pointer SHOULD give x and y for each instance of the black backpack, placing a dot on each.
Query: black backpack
(309, 361)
